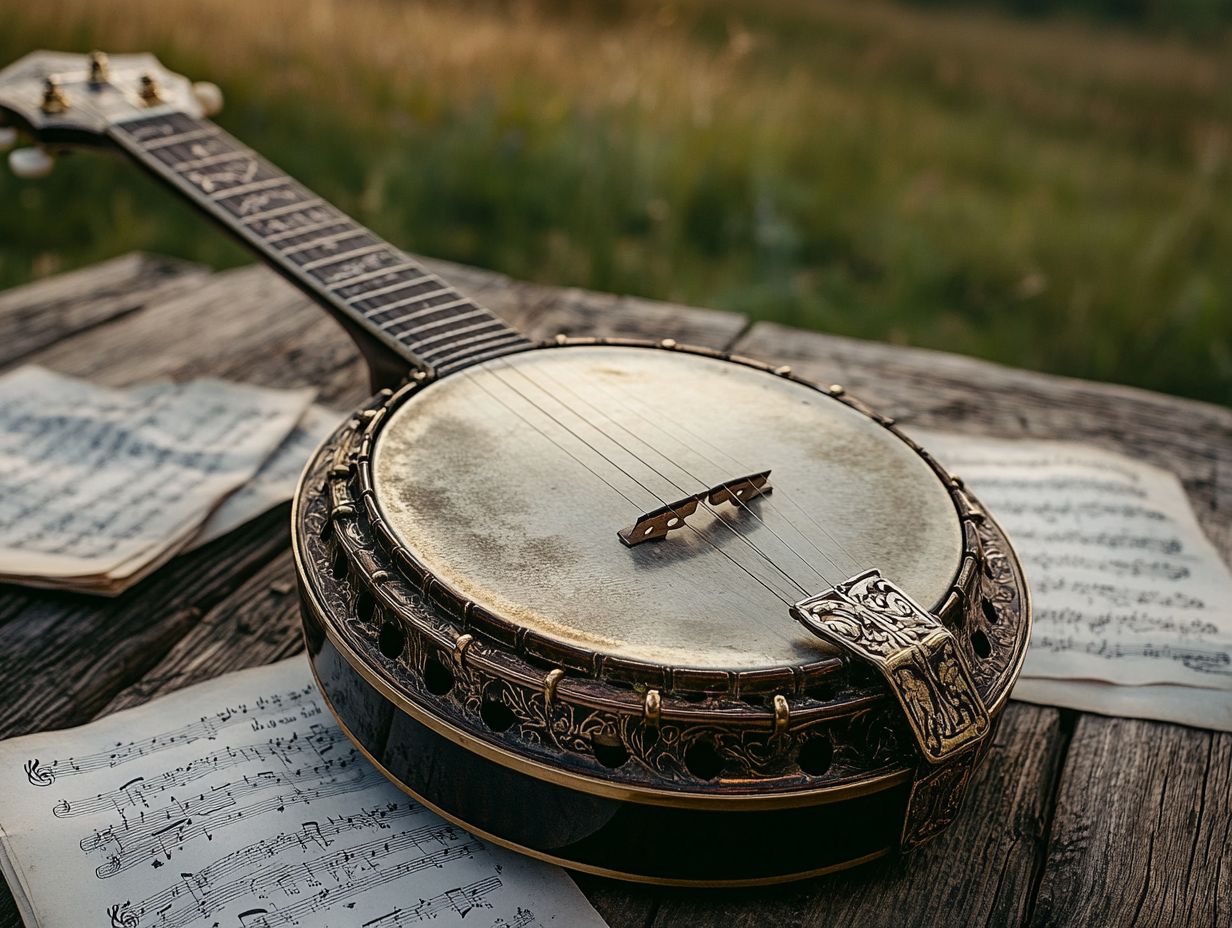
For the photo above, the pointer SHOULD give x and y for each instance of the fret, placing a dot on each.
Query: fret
(392, 288)
(322, 241)
(441, 290)
(416, 331)
(281, 210)
(377, 289)
(468, 345)
(374, 275)
(253, 187)
(344, 256)
(423, 311)
(209, 160)
(290, 232)
(491, 320)
(189, 136)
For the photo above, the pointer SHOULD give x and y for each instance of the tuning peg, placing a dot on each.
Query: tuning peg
(208, 96)
(30, 163)
(8, 138)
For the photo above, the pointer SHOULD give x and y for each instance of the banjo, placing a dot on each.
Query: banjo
(643, 610)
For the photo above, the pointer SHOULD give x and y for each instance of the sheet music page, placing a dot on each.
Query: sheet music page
(1163, 702)
(275, 482)
(93, 479)
(239, 803)
(1127, 588)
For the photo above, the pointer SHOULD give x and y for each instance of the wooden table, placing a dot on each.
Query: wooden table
(1074, 820)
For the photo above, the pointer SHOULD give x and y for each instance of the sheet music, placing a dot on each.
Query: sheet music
(1127, 589)
(97, 481)
(1187, 705)
(239, 803)
(275, 482)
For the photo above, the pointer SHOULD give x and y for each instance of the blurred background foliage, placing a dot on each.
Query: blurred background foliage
(1044, 183)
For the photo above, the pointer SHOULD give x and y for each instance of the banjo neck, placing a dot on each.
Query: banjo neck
(400, 314)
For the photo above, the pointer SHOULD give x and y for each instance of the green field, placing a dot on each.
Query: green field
(1049, 194)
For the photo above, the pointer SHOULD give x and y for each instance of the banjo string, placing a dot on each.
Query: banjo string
(770, 589)
(742, 504)
(626, 402)
(731, 528)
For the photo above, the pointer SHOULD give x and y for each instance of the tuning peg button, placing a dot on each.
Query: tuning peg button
(8, 138)
(30, 163)
(208, 97)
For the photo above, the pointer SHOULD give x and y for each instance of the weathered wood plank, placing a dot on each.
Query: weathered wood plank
(1143, 832)
(41, 313)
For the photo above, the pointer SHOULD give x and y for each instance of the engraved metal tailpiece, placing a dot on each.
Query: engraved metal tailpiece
(657, 523)
(920, 660)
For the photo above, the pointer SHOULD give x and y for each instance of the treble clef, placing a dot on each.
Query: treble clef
(122, 916)
(39, 775)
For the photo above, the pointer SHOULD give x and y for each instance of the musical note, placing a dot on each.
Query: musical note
(236, 804)
(1127, 588)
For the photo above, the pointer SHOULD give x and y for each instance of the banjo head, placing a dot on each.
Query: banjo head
(565, 574)
(510, 481)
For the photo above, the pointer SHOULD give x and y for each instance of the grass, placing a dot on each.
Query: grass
(1051, 195)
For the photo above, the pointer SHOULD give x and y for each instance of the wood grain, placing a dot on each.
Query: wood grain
(38, 315)
(1113, 821)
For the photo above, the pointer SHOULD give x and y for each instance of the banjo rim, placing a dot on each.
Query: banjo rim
(776, 796)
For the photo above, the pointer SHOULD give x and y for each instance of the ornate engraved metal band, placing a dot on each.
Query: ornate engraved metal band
(916, 654)
(920, 660)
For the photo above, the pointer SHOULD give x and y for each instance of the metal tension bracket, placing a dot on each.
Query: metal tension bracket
(657, 523)
(919, 658)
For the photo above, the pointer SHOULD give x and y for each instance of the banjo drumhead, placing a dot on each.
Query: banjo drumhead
(524, 468)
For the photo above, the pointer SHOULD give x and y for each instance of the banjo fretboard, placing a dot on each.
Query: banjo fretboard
(337, 261)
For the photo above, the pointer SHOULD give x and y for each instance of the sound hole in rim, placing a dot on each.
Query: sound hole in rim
(816, 754)
(980, 644)
(702, 759)
(609, 751)
(495, 714)
(437, 677)
(391, 640)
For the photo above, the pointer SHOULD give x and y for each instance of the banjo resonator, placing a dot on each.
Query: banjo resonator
(784, 684)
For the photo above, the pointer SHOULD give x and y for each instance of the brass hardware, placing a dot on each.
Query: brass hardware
(835, 389)
(561, 338)
(549, 684)
(782, 714)
(652, 708)
(668, 343)
(54, 98)
(342, 510)
(100, 71)
(918, 656)
(151, 94)
(783, 371)
(657, 523)
(459, 648)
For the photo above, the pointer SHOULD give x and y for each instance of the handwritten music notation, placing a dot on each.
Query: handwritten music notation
(238, 803)
(1127, 588)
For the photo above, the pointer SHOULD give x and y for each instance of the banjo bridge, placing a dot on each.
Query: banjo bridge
(658, 523)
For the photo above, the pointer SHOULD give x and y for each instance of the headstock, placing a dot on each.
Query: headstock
(61, 98)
